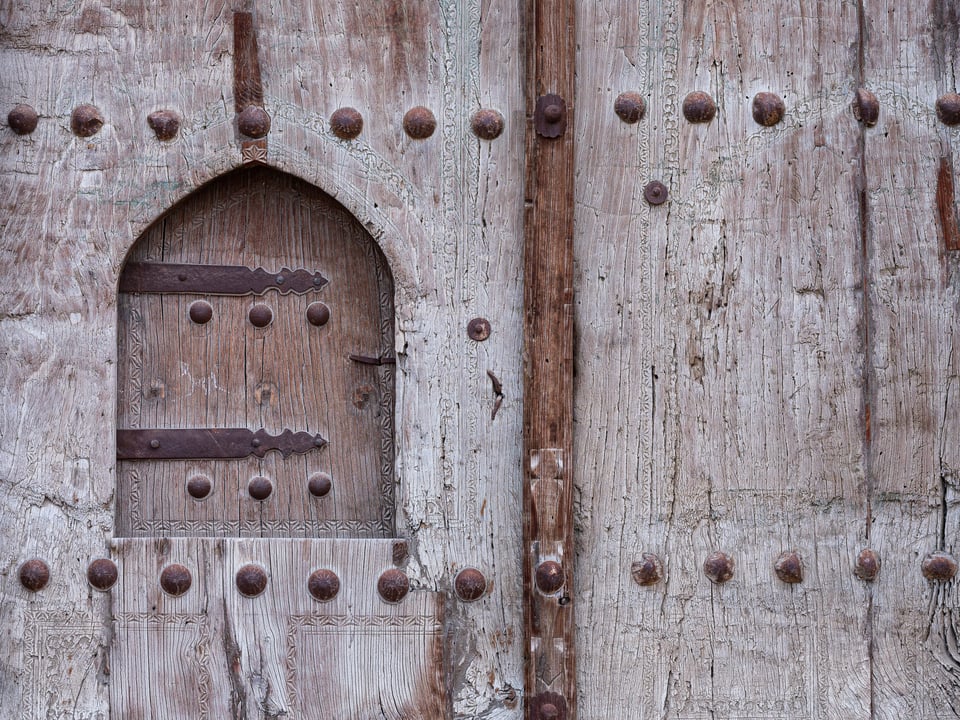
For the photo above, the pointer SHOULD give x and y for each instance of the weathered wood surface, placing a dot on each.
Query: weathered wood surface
(548, 533)
(729, 342)
(446, 211)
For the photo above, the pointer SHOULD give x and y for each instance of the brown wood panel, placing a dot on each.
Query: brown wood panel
(289, 375)
(913, 345)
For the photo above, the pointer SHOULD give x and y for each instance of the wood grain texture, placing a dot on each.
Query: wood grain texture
(446, 212)
(913, 346)
(548, 365)
(718, 394)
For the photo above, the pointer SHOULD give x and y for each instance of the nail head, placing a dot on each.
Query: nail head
(260, 488)
(199, 487)
(550, 576)
(22, 119)
(789, 567)
(419, 123)
(718, 567)
(34, 575)
(164, 123)
(260, 315)
(200, 312)
(86, 120)
(175, 580)
(768, 109)
(939, 567)
(251, 580)
(253, 121)
(318, 314)
(655, 192)
(323, 585)
(630, 107)
(868, 565)
(102, 574)
(648, 570)
(699, 107)
(393, 585)
(346, 123)
(948, 109)
(487, 124)
(479, 329)
(320, 484)
(470, 584)
(866, 107)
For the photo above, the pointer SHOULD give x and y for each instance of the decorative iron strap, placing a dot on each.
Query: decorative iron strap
(142, 277)
(211, 443)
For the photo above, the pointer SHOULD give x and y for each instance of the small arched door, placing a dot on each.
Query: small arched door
(255, 509)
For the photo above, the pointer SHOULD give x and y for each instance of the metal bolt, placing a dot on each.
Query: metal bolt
(939, 567)
(323, 585)
(470, 584)
(698, 107)
(655, 192)
(155, 443)
(866, 107)
(164, 123)
(419, 123)
(553, 113)
(253, 121)
(86, 121)
(318, 314)
(175, 580)
(478, 329)
(868, 565)
(768, 109)
(260, 315)
(102, 574)
(648, 571)
(718, 567)
(948, 109)
(549, 576)
(393, 585)
(789, 567)
(260, 488)
(34, 575)
(320, 484)
(199, 487)
(346, 123)
(487, 124)
(251, 580)
(22, 119)
(630, 107)
(200, 312)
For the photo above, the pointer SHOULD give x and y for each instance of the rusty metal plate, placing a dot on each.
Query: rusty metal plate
(144, 277)
(215, 443)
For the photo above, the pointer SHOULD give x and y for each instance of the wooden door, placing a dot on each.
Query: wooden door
(761, 469)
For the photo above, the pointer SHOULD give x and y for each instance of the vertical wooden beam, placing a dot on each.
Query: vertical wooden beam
(550, 673)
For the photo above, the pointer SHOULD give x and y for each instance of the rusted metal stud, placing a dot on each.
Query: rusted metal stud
(318, 314)
(630, 107)
(251, 580)
(86, 121)
(699, 107)
(789, 567)
(346, 123)
(393, 585)
(478, 329)
(718, 567)
(34, 575)
(260, 315)
(400, 552)
(22, 119)
(419, 123)
(164, 123)
(550, 116)
(199, 487)
(102, 574)
(768, 109)
(487, 124)
(550, 576)
(549, 706)
(320, 484)
(655, 192)
(323, 585)
(648, 570)
(866, 107)
(939, 566)
(260, 488)
(948, 109)
(200, 312)
(254, 122)
(470, 584)
(175, 580)
(155, 444)
(868, 565)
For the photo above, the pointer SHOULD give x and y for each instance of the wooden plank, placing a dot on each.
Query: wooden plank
(718, 396)
(913, 346)
(548, 366)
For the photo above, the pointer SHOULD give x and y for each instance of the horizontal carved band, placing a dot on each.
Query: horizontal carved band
(211, 443)
(140, 277)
